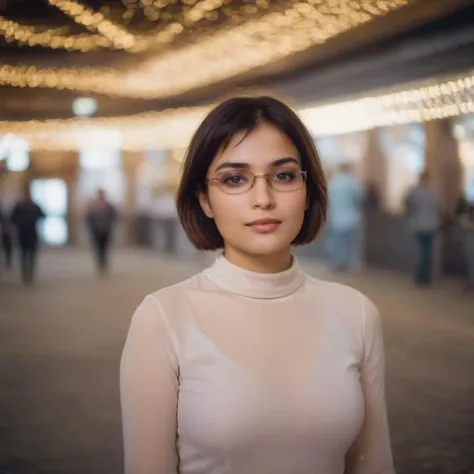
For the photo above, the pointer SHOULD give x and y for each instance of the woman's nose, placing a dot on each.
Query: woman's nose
(262, 193)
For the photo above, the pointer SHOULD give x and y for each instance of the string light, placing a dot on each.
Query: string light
(120, 38)
(166, 128)
(51, 38)
(54, 38)
(236, 50)
(188, 18)
(131, 8)
(123, 39)
(430, 101)
(173, 128)
(227, 52)
(95, 21)
(153, 9)
(87, 79)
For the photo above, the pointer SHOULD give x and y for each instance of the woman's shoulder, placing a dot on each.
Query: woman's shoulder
(177, 290)
(340, 297)
(346, 307)
(173, 299)
(162, 311)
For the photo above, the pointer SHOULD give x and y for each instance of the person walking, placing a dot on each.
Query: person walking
(345, 219)
(25, 217)
(422, 211)
(7, 241)
(101, 217)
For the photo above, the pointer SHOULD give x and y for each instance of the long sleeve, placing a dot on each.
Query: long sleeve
(149, 393)
(371, 452)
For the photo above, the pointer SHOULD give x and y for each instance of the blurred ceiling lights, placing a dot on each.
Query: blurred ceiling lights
(113, 35)
(95, 21)
(84, 106)
(246, 41)
(55, 38)
(431, 100)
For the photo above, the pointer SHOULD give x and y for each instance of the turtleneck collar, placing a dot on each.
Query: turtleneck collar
(243, 282)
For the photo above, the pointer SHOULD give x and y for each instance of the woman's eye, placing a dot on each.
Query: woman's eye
(233, 179)
(285, 175)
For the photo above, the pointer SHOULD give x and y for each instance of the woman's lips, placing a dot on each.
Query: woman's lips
(264, 226)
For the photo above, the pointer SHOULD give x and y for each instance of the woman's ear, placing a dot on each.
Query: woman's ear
(205, 204)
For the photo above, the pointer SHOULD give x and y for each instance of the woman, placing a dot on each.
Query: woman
(252, 366)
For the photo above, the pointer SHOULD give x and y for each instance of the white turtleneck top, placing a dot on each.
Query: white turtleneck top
(235, 372)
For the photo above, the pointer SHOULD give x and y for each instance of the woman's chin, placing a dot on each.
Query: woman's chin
(266, 247)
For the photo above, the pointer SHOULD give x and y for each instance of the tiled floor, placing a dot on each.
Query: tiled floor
(60, 344)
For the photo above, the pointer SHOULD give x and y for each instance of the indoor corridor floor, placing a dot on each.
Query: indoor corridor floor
(60, 344)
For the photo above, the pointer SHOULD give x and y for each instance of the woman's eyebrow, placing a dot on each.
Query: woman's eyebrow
(284, 161)
(229, 164)
(242, 165)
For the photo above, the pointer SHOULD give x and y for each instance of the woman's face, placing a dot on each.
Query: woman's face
(261, 221)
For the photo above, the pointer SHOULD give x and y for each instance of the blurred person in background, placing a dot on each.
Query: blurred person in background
(7, 240)
(252, 366)
(345, 219)
(25, 217)
(101, 218)
(461, 205)
(371, 197)
(422, 212)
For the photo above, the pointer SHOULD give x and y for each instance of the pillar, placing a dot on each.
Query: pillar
(130, 164)
(375, 164)
(443, 163)
(71, 176)
(175, 167)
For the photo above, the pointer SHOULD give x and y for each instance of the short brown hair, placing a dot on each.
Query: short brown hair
(213, 136)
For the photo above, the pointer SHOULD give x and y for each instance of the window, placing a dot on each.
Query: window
(464, 133)
(51, 196)
(101, 169)
(404, 151)
(15, 151)
(338, 149)
(96, 158)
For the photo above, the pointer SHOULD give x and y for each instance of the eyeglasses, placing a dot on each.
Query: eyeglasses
(241, 181)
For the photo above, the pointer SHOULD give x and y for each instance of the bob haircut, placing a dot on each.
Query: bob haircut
(213, 136)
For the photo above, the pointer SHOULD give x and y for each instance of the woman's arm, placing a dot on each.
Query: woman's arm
(149, 393)
(371, 453)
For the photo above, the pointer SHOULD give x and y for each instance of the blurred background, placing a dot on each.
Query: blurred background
(98, 101)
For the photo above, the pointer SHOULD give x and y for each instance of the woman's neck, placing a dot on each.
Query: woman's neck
(268, 263)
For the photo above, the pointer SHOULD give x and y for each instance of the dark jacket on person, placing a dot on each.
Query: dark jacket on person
(101, 217)
(25, 217)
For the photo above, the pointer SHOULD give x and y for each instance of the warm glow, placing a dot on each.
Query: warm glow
(430, 101)
(95, 21)
(54, 38)
(240, 45)
(173, 128)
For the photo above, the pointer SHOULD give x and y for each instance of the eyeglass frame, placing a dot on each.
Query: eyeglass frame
(303, 173)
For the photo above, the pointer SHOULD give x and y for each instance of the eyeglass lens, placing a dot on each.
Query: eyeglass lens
(239, 181)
